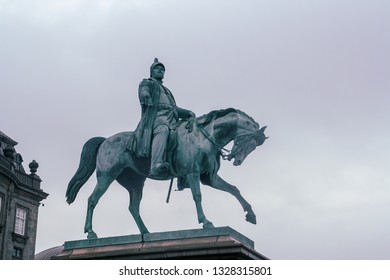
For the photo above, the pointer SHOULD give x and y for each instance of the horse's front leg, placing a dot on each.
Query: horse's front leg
(193, 180)
(135, 199)
(218, 183)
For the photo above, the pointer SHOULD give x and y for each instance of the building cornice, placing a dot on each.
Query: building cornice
(27, 183)
(5, 138)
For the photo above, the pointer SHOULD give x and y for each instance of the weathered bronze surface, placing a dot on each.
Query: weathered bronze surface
(193, 155)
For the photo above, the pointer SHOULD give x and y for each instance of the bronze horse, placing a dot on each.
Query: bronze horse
(195, 158)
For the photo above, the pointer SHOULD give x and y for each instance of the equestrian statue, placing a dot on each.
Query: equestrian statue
(169, 142)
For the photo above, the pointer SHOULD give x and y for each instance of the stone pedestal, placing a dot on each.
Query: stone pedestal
(221, 243)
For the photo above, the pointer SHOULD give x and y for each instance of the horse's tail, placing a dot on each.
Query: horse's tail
(86, 167)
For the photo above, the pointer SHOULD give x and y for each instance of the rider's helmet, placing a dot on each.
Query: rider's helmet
(155, 63)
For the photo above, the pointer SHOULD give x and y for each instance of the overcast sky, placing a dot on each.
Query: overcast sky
(316, 72)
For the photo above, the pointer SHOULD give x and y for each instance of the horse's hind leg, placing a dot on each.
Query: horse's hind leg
(103, 182)
(218, 183)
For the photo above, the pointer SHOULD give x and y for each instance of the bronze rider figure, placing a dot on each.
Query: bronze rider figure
(160, 114)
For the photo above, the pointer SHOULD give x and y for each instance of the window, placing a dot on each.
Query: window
(17, 253)
(1, 209)
(20, 221)
(2, 206)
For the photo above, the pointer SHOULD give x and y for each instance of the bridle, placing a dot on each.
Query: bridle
(228, 154)
(221, 149)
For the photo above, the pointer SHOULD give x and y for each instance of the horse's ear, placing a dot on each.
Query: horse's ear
(263, 128)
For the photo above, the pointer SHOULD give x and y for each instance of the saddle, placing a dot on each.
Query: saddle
(170, 152)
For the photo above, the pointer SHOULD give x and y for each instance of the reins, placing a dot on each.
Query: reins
(221, 149)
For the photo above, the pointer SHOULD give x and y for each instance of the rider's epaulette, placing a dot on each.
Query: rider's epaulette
(145, 82)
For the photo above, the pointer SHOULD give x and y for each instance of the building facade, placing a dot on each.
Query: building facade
(20, 198)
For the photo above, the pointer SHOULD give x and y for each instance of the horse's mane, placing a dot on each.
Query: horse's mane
(204, 120)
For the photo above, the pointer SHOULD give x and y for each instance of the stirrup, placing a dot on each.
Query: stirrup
(159, 168)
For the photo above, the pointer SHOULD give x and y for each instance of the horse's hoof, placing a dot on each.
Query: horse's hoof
(92, 235)
(251, 217)
(208, 225)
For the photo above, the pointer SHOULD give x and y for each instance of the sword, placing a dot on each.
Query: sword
(169, 191)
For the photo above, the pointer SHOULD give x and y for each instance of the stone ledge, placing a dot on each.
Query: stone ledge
(159, 236)
(217, 243)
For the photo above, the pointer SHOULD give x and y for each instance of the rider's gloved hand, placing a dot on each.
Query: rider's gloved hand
(146, 99)
(191, 114)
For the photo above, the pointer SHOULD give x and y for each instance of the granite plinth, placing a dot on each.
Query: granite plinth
(216, 243)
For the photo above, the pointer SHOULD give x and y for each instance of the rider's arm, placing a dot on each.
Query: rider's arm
(144, 93)
(184, 113)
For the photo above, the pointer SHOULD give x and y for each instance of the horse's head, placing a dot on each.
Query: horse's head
(245, 144)
(233, 124)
